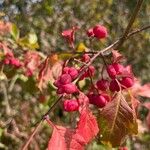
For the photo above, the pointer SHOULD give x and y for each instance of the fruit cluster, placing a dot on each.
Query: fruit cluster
(118, 76)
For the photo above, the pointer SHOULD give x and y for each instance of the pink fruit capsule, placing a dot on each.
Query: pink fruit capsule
(71, 105)
(102, 84)
(114, 86)
(65, 79)
(127, 82)
(69, 88)
(111, 71)
(100, 31)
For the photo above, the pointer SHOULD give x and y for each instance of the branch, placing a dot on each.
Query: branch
(137, 31)
(32, 135)
(129, 26)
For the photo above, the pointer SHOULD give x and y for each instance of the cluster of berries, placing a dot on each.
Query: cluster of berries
(120, 78)
(11, 60)
(64, 82)
(65, 85)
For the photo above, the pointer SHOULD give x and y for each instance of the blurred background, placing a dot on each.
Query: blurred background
(47, 19)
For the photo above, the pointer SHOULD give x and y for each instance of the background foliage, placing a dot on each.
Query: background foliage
(46, 19)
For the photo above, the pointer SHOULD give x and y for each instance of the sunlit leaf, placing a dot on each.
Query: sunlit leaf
(15, 32)
(32, 38)
(117, 120)
(81, 47)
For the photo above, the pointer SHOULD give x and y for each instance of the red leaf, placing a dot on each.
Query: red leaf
(65, 139)
(147, 105)
(75, 139)
(50, 70)
(144, 90)
(87, 126)
(70, 35)
(31, 62)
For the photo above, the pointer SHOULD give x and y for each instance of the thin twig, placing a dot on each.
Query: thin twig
(13, 81)
(137, 31)
(49, 110)
(32, 135)
(131, 21)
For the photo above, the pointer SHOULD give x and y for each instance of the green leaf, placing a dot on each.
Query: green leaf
(117, 120)
(15, 32)
(29, 41)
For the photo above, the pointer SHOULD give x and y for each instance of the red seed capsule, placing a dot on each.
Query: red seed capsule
(71, 105)
(118, 67)
(73, 72)
(127, 82)
(111, 71)
(65, 79)
(102, 84)
(69, 88)
(100, 101)
(114, 86)
(100, 32)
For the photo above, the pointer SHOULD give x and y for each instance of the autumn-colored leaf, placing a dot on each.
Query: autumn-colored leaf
(65, 139)
(87, 126)
(81, 47)
(31, 62)
(15, 32)
(117, 120)
(5, 27)
(50, 70)
(144, 90)
(75, 139)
